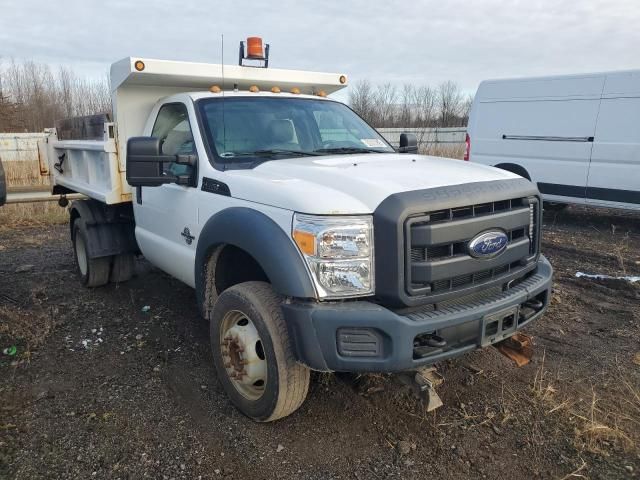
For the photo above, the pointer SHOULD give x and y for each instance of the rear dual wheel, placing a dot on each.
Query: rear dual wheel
(96, 272)
(252, 353)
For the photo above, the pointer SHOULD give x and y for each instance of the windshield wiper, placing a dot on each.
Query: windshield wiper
(269, 153)
(348, 150)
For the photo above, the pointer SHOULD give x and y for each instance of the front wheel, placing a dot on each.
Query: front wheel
(253, 355)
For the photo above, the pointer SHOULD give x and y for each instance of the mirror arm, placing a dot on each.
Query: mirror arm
(190, 160)
(184, 180)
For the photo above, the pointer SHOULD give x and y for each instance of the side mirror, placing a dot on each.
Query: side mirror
(408, 143)
(145, 163)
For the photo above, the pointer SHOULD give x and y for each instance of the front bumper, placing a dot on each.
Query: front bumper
(361, 336)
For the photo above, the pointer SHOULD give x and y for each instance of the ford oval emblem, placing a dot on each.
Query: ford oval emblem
(488, 244)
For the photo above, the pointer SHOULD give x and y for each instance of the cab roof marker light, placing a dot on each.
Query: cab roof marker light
(215, 89)
(139, 65)
(254, 89)
(295, 90)
(275, 89)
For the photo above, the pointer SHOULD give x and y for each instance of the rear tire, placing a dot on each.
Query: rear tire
(250, 341)
(123, 268)
(93, 272)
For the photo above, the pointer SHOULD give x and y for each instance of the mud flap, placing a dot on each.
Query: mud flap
(518, 348)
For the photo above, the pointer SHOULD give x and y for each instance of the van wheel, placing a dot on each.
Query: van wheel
(252, 353)
(554, 207)
(93, 272)
(123, 268)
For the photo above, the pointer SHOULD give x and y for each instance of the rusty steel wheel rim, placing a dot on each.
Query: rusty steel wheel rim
(243, 355)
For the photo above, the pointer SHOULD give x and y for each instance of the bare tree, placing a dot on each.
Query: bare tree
(466, 109)
(361, 99)
(449, 104)
(425, 105)
(39, 98)
(385, 104)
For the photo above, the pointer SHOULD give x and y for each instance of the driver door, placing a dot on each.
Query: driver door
(166, 216)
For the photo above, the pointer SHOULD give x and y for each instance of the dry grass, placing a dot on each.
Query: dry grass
(599, 424)
(26, 173)
(448, 150)
(37, 213)
(23, 174)
(26, 328)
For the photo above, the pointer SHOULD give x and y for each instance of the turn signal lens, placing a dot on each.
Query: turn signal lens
(306, 242)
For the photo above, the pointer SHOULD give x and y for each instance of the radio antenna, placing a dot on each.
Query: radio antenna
(224, 125)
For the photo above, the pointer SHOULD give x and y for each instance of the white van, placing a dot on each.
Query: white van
(577, 136)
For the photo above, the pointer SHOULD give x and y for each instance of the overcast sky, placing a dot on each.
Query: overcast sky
(419, 41)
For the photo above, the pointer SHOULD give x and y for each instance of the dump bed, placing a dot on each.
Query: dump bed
(88, 154)
(81, 155)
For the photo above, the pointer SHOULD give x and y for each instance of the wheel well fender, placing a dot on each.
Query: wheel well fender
(514, 168)
(262, 239)
(88, 210)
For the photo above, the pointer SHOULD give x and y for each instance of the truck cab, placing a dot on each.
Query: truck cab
(311, 243)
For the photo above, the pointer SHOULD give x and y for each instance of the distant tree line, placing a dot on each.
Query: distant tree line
(410, 106)
(33, 96)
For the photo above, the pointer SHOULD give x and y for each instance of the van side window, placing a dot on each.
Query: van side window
(173, 129)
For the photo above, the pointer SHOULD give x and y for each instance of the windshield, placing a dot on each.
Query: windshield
(256, 129)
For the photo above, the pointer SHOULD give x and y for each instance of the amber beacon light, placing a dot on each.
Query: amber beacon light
(253, 49)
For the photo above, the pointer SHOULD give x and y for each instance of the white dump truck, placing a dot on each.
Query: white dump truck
(310, 242)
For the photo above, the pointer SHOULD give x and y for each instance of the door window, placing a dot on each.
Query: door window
(173, 129)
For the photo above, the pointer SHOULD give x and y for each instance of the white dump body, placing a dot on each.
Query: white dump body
(89, 167)
(97, 168)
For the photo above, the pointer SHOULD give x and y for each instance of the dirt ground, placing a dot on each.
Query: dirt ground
(100, 389)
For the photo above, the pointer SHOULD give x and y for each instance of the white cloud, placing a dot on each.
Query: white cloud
(422, 41)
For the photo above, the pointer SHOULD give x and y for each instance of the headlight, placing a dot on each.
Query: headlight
(339, 253)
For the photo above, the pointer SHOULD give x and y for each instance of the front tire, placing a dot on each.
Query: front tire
(252, 353)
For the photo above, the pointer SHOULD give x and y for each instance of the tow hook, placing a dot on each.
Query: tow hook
(423, 384)
(518, 348)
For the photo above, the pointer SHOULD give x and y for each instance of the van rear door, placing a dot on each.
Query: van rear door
(544, 125)
(614, 174)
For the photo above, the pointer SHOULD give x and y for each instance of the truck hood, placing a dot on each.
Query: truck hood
(351, 184)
